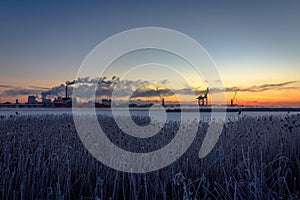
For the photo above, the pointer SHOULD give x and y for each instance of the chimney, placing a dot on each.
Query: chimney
(66, 91)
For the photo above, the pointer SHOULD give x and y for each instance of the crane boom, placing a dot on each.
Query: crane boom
(234, 96)
(232, 100)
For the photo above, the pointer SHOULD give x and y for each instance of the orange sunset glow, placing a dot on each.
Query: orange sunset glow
(272, 97)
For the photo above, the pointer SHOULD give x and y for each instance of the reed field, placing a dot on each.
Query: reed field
(42, 157)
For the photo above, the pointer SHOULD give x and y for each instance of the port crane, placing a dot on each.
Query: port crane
(233, 99)
(202, 100)
(161, 98)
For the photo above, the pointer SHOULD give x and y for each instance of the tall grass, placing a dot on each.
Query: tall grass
(41, 157)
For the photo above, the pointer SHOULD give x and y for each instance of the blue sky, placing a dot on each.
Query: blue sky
(252, 42)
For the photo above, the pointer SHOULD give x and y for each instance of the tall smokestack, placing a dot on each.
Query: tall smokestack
(66, 91)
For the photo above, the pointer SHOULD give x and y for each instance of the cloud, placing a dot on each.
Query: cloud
(138, 88)
(148, 92)
(86, 87)
(264, 87)
(13, 91)
(6, 86)
(20, 92)
(39, 88)
(87, 80)
(185, 91)
(254, 88)
(54, 92)
(213, 81)
(103, 87)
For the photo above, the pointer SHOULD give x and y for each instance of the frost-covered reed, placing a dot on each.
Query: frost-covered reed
(42, 157)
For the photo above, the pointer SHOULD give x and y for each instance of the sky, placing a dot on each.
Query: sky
(254, 44)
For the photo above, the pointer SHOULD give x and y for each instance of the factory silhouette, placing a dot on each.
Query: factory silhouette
(65, 100)
(61, 97)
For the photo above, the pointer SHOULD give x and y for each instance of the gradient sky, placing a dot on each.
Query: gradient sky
(253, 43)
